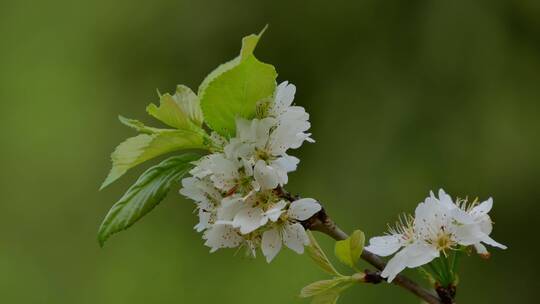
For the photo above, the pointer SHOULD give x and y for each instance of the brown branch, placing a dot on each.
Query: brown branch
(323, 223)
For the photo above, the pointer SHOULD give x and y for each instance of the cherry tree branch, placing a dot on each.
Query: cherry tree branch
(323, 223)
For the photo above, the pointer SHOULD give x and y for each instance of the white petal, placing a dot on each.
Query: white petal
(230, 206)
(295, 237)
(274, 212)
(238, 149)
(202, 167)
(222, 235)
(224, 172)
(492, 242)
(204, 220)
(303, 209)
(483, 208)
(486, 225)
(287, 162)
(430, 216)
(282, 166)
(446, 200)
(468, 234)
(285, 93)
(394, 266)
(199, 190)
(385, 245)
(248, 219)
(419, 254)
(289, 132)
(262, 130)
(265, 175)
(190, 189)
(284, 97)
(412, 256)
(461, 216)
(271, 244)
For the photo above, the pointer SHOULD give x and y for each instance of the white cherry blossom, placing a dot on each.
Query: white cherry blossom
(477, 214)
(234, 187)
(439, 226)
(222, 171)
(222, 235)
(414, 252)
(292, 121)
(290, 232)
(261, 157)
(254, 215)
(468, 215)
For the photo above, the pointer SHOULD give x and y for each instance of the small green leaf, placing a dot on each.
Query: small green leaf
(151, 187)
(181, 110)
(348, 251)
(329, 297)
(319, 287)
(317, 254)
(143, 147)
(233, 89)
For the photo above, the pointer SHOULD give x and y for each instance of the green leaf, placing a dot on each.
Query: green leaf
(329, 297)
(143, 147)
(320, 287)
(181, 110)
(318, 255)
(233, 89)
(348, 251)
(151, 187)
(248, 46)
(139, 126)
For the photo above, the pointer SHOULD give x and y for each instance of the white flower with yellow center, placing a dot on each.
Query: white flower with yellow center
(261, 157)
(439, 226)
(289, 230)
(256, 210)
(478, 214)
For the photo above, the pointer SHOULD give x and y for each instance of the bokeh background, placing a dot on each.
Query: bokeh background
(404, 96)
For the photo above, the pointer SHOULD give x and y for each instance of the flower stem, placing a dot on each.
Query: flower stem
(435, 271)
(455, 262)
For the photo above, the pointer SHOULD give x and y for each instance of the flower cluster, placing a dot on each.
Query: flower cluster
(237, 189)
(439, 226)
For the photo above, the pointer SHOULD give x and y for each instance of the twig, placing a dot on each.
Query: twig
(323, 223)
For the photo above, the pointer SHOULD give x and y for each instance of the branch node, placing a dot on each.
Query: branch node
(446, 294)
(373, 277)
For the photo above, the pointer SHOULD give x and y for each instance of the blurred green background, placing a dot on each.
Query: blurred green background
(404, 96)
